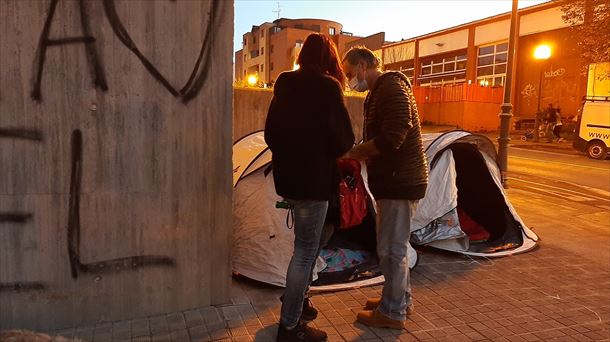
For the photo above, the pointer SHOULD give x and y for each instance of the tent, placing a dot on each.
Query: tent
(464, 192)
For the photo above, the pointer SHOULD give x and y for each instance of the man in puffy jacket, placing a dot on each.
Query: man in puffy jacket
(397, 176)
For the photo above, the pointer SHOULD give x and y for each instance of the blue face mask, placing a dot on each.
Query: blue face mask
(357, 85)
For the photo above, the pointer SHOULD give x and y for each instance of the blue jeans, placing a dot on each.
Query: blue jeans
(393, 233)
(309, 219)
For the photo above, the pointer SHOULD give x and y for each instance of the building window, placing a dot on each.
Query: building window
(408, 69)
(262, 68)
(491, 64)
(262, 32)
(438, 71)
(315, 28)
(253, 40)
(298, 44)
(271, 66)
(331, 31)
(298, 26)
(271, 49)
(262, 50)
(276, 29)
(254, 54)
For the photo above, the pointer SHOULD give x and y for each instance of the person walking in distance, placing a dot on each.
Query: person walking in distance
(307, 129)
(397, 175)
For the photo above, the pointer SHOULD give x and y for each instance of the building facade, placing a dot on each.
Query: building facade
(476, 53)
(272, 48)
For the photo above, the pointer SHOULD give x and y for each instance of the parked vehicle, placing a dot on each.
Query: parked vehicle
(592, 132)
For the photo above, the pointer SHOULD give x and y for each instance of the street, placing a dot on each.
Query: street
(566, 198)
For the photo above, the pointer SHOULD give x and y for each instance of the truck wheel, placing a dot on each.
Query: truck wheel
(597, 150)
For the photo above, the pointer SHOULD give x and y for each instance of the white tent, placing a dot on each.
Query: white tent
(460, 164)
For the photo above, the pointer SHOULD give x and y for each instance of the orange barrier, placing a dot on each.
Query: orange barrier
(457, 93)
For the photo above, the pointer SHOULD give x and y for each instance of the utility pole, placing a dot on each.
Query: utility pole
(506, 112)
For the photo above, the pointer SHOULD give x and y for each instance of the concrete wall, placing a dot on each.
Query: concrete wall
(250, 108)
(115, 173)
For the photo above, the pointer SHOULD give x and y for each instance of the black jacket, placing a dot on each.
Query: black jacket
(307, 129)
(391, 118)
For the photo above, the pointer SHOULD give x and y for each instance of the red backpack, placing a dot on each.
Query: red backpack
(352, 193)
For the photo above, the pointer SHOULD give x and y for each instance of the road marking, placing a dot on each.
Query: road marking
(563, 190)
(568, 164)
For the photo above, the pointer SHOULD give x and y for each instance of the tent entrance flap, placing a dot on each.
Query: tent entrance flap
(484, 203)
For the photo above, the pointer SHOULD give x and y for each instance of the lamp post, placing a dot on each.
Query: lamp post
(506, 112)
(542, 53)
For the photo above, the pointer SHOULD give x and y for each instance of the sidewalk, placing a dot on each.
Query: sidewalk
(556, 292)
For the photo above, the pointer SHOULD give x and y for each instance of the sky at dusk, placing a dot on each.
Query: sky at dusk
(399, 19)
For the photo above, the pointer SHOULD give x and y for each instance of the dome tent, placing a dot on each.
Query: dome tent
(464, 178)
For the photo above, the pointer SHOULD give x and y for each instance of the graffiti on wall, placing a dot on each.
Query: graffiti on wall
(74, 228)
(189, 91)
(16, 217)
(186, 93)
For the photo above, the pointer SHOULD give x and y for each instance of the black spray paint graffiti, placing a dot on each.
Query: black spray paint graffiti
(186, 93)
(99, 79)
(74, 230)
(22, 286)
(15, 217)
(21, 133)
(19, 217)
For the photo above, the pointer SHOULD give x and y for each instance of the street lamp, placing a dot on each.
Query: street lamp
(542, 53)
(252, 80)
(507, 108)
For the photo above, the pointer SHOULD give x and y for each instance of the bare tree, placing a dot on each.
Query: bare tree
(590, 23)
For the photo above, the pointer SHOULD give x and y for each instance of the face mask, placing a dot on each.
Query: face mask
(356, 85)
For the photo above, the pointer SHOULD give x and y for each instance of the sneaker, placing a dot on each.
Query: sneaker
(302, 332)
(309, 312)
(373, 303)
(374, 318)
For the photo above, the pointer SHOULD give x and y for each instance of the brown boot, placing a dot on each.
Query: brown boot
(373, 303)
(376, 319)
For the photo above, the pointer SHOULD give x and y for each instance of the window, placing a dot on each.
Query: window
(253, 40)
(491, 64)
(262, 50)
(315, 28)
(271, 49)
(442, 70)
(271, 66)
(331, 31)
(262, 32)
(262, 68)
(408, 69)
(298, 26)
(298, 44)
(276, 29)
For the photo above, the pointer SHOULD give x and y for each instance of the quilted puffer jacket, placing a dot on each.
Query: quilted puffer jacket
(390, 117)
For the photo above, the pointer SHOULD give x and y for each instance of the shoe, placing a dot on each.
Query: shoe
(309, 312)
(302, 332)
(374, 318)
(373, 303)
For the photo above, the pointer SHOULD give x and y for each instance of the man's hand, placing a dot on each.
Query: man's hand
(362, 152)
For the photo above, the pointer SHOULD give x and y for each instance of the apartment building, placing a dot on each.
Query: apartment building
(271, 48)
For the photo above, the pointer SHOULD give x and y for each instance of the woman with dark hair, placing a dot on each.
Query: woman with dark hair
(307, 129)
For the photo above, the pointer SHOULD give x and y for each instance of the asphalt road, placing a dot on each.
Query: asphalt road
(565, 199)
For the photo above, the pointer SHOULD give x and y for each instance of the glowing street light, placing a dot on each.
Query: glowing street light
(542, 52)
(252, 80)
